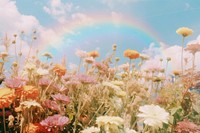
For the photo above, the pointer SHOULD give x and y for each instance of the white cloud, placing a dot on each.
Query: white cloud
(58, 10)
(174, 52)
(113, 3)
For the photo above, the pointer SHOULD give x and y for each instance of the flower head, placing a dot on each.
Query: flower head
(60, 70)
(89, 60)
(91, 130)
(61, 97)
(30, 92)
(193, 48)
(111, 120)
(47, 55)
(153, 115)
(186, 126)
(184, 31)
(131, 54)
(93, 54)
(81, 53)
(55, 120)
(29, 104)
(6, 97)
(85, 79)
(52, 105)
(42, 72)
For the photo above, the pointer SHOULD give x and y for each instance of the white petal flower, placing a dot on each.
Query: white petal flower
(109, 120)
(153, 115)
(42, 72)
(29, 104)
(91, 130)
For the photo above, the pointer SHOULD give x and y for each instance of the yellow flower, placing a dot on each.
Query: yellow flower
(131, 54)
(176, 72)
(184, 31)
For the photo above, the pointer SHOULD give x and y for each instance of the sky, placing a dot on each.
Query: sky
(63, 26)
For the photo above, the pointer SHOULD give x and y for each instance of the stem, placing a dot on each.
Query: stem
(30, 48)
(4, 120)
(166, 69)
(79, 66)
(76, 117)
(193, 63)
(182, 55)
(130, 67)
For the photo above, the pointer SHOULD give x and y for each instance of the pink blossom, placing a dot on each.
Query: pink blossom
(44, 82)
(81, 53)
(124, 67)
(14, 83)
(187, 126)
(86, 79)
(52, 105)
(101, 66)
(61, 97)
(55, 120)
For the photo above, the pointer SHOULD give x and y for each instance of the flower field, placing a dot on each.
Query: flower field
(40, 96)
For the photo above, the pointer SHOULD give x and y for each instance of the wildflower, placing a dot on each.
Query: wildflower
(4, 54)
(117, 59)
(131, 54)
(109, 122)
(91, 130)
(111, 85)
(35, 128)
(42, 72)
(89, 60)
(118, 83)
(114, 47)
(30, 66)
(61, 97)
(59, 70)
(144, 57)
(93, 54)
(125, 67)
(6, 97)
(176, 72)
(193, 48)
(47, 55)
(30, 92)
(16, 84)
(100, 66)
(52, 105)
(55, 120)
(81, 53)
(153, 115)
(186, 126)
(168, 59)
(86, 79)
(29, 104)
(184, 31)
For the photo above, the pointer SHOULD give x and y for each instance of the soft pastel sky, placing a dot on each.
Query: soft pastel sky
(63, 26)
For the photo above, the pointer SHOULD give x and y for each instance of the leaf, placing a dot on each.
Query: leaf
(175, 109)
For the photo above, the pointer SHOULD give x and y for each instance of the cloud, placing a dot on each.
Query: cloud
(113, 3)
(174, 52)
(58, 10)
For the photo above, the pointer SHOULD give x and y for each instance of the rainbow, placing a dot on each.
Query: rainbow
(99, 26)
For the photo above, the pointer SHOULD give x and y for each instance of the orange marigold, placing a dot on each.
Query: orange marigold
(93, 54)
(7, 96)
(131, 54)
(30, 92)
(59, 69)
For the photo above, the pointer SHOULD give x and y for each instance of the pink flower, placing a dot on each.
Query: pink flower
(81, 53)
(61, 97)
(14, 83)
(86, 79)
(187, 126)
(193, 48)
(44, 82)
(55, 120)
(52, 105)
(101, 66)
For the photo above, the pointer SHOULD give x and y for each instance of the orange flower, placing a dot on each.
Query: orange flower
(93, 54)
(60, 70)
(131, 54)
(30, 92)
(6, 97)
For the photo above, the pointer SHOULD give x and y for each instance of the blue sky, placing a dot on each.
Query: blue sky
(66, 25)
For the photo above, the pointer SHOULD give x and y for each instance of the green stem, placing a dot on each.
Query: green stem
(4, 120)
(182, 55)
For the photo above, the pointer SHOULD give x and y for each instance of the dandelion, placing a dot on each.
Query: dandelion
(153, 115)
